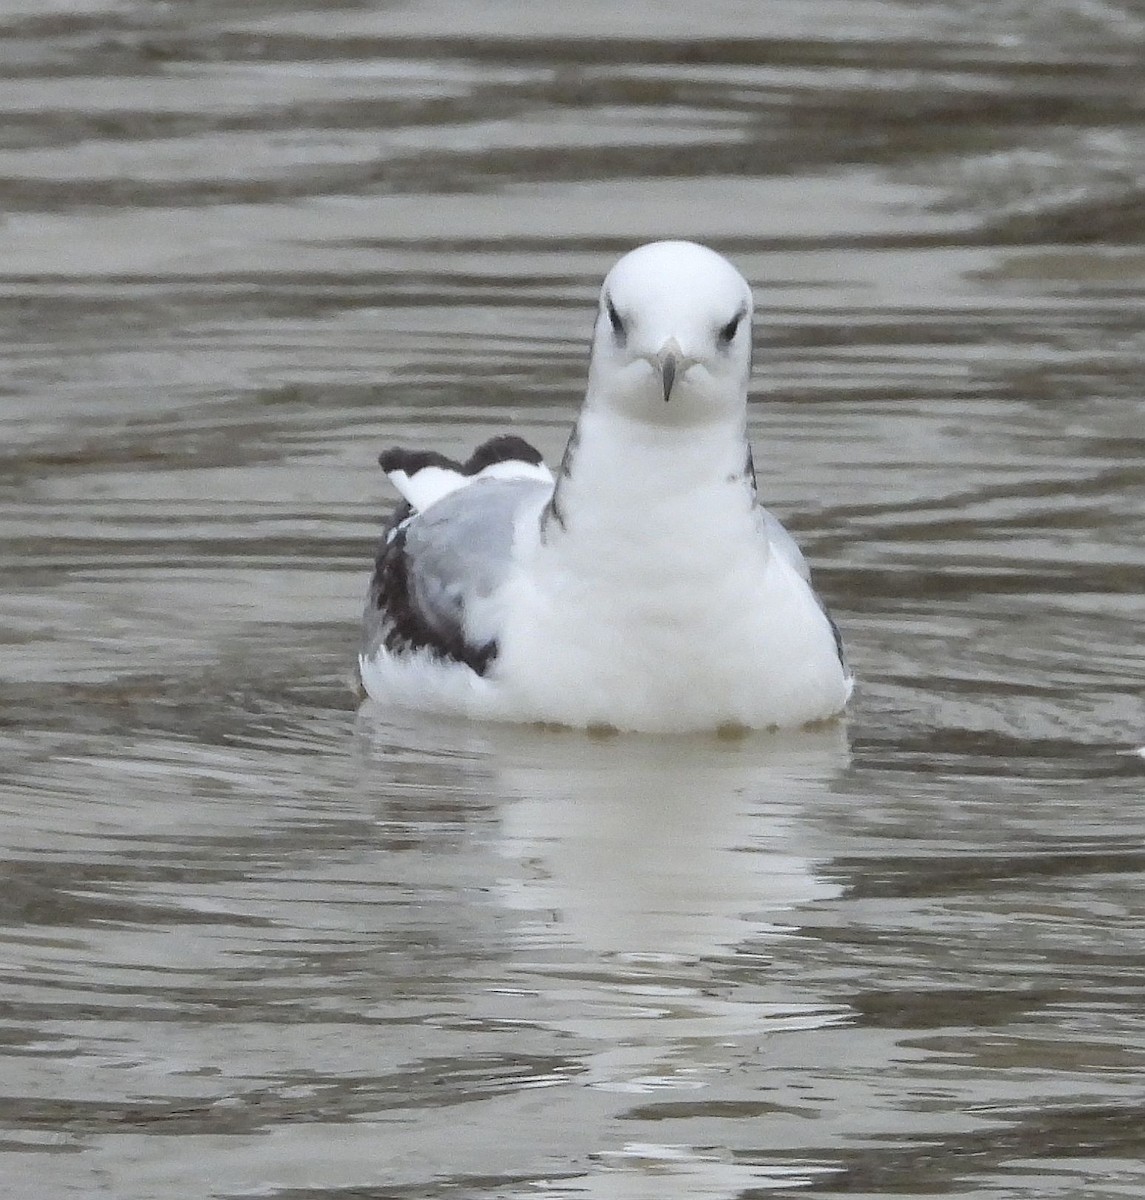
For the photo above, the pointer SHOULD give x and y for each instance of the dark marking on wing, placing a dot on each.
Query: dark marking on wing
(506, 447)
(568, 457)
(835, 631)
(400, 617)
(399, 625)
(553, 510)
(411, 461)
(749, 470)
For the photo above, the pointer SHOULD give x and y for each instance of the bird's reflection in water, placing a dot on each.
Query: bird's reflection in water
(632, 847)
(648, 876)
(661, 848)
(669, 863)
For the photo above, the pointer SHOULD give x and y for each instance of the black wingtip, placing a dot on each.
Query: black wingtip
(506, 447)
(410, 461)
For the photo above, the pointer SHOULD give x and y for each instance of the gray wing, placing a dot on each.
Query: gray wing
(436, 571)
(783, 543)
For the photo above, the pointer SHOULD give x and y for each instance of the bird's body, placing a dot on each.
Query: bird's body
(645, 588)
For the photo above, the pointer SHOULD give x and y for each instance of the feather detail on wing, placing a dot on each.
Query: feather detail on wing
(784, 544)
(423, 477)
(448, 549)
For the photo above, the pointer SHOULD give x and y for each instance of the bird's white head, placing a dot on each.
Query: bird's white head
(672, 344)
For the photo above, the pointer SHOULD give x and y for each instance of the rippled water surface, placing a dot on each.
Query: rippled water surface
(256, 942)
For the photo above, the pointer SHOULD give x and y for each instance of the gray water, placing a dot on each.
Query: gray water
(254, 942)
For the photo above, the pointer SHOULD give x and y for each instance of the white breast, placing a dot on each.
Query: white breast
(661, 605)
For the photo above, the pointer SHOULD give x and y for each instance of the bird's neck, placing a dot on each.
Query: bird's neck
(623, 476)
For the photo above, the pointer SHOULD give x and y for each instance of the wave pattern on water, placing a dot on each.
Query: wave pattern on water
(254, 944)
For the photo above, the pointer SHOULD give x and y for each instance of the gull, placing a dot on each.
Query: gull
(642, 587)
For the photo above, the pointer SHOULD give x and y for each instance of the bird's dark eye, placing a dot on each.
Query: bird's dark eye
(618, 330)
(728, 331)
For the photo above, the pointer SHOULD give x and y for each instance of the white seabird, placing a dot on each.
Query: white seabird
(644, 588)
